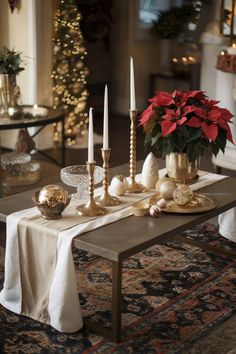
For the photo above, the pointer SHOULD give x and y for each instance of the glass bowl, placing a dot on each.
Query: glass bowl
(77, 176)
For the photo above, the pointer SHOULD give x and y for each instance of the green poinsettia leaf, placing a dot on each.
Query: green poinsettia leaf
(159, 148)
(155, 138)
(179, 143)
(163, 147)
(195, 151)
(221, 139)
(167, 146)
(193, 134)
(215, 149)
(180, 137)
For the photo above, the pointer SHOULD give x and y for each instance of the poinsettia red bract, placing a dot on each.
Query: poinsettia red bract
(186, 121)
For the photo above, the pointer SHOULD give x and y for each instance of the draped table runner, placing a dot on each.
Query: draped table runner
(40, 279)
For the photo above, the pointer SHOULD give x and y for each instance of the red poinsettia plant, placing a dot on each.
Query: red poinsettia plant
(186, 122)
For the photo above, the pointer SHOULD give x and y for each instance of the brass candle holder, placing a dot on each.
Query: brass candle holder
(106, 199)
(133, 186)
(91, 208)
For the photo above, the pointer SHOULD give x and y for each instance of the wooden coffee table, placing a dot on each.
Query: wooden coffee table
(124, 238)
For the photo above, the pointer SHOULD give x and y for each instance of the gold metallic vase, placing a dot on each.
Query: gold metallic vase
(180, 168)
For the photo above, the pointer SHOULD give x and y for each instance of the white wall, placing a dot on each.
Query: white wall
(124, 43)
(28, 30)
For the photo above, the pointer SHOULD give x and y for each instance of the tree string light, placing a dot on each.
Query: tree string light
(69, 71)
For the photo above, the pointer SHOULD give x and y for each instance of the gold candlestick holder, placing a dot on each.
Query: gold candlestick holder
(106, 199)
(91, 208)
(133, 186)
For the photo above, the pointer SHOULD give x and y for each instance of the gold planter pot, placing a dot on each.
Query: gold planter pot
(179, 168)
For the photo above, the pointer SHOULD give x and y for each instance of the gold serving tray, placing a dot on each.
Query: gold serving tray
(198, 204)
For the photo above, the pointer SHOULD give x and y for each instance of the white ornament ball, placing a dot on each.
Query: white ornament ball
(167, 188)
(154, 211)
(118, 185)
(182, 194)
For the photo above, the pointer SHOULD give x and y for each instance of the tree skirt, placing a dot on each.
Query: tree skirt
(173, 294)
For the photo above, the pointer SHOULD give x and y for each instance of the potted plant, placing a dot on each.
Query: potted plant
(181, 125)
(10, 66)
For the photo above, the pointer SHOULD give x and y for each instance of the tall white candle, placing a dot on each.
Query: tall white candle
(90, 137)
(105, 120)
(132, 86)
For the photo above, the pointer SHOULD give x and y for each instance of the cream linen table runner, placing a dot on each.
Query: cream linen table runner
(40, 280)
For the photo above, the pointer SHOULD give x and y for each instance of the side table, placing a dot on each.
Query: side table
(52, 116)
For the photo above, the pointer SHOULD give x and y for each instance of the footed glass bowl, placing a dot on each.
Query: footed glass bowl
(77, 176)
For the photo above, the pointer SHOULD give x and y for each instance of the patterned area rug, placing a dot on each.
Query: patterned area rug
(173, 294)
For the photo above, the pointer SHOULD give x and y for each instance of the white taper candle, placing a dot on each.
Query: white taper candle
(105, 120)
(132, 86)
(90, 137)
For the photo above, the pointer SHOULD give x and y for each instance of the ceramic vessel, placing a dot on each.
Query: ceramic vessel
(150, 172)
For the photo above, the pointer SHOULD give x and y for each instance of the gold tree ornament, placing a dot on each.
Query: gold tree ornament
(69, 71)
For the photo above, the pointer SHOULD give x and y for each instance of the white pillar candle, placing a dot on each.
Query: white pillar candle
(105, 120)
(90, 137)
(132, 86)
(232, 50)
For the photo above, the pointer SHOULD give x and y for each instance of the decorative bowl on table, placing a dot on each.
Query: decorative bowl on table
(19, 169)
(77, 176)
(51, 200)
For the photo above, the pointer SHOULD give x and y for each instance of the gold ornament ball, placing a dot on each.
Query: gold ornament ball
(182, 194)
(167, 188)
(53, 195)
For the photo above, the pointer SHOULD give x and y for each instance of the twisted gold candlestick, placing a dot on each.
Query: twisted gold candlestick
(91, 208)
(133, 186)
(106, 199)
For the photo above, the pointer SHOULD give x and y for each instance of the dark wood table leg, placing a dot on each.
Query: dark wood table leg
(218, 169)
(116, 300)
(114, 333)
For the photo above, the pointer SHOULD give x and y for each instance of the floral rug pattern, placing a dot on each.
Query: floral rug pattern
(173, 294)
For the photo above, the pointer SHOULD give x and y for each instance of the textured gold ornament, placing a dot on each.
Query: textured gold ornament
(182, 194)
(133, 186)
(51, 201)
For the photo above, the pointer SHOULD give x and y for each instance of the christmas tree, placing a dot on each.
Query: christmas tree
(69, 71)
